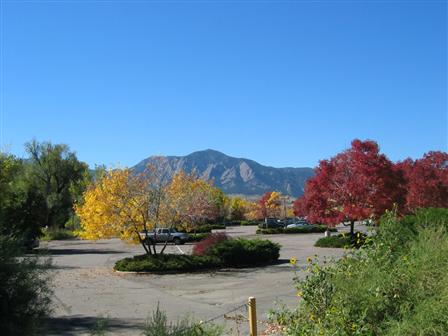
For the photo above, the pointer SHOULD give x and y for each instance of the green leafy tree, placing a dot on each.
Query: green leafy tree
(56, 173)
(20, 204)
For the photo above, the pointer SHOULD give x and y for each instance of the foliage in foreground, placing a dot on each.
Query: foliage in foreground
(303, 229)
(398, 285)
(157, 325)
(24, 291)
(220, 253)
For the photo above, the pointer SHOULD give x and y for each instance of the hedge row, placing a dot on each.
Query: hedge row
(245, 252)
(242, 223)
(166, 263)
(303, 229)
(342, 240)
(195, 237)
(206, 228)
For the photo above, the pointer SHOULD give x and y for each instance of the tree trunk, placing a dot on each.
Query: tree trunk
(352, 228)
(154, 248)
(146, 248)
(164, 246)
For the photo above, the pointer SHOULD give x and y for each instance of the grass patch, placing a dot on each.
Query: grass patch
(303, 229)
(158, 325)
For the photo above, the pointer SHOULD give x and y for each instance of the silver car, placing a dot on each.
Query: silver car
(297, 224)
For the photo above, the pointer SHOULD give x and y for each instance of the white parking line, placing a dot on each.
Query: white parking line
(180, 250)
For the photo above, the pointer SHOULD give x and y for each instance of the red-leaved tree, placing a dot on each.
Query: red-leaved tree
(426, 181)
(356, 184)
(262, 208)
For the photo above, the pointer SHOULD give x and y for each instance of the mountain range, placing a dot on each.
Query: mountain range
(234, 176)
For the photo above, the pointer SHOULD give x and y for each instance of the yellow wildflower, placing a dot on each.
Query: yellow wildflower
(293, 261)
(309, 259)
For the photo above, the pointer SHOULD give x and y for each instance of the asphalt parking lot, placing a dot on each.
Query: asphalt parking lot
(87, 288)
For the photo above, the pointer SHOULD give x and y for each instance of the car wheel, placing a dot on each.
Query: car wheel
(177, 241)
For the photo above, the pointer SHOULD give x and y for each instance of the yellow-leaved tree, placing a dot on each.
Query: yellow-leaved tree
(273, 204)
(122, 204)
(240, 209)
(128, 205)
(192, 201)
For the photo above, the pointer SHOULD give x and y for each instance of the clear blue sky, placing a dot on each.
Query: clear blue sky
(286, 83)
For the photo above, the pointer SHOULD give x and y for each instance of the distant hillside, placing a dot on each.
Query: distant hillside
(236, 175)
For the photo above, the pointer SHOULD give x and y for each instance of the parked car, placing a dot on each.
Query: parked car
(298, 223)
(163, 235)
(271, 223)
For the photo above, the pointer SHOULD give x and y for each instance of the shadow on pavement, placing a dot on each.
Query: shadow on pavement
(80, 324)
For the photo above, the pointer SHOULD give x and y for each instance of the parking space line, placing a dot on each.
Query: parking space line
(180, 250)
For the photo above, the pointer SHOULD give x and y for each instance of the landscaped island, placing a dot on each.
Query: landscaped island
(214, 252)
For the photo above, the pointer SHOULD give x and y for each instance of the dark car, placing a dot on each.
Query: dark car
(271, 223)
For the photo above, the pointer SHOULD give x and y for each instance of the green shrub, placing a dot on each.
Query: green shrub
(249, 223)
(235, 222)
(342, 240)
(57, 234)
(196, 237)
(25, 294)
(303, 229)
(395, 285)
(217, 226)
(167, 263)
(245, 252)
(74, 223)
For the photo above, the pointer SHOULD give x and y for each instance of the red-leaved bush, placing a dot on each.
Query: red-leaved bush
(202, 247)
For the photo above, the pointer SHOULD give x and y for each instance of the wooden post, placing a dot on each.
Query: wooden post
(252, 316)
